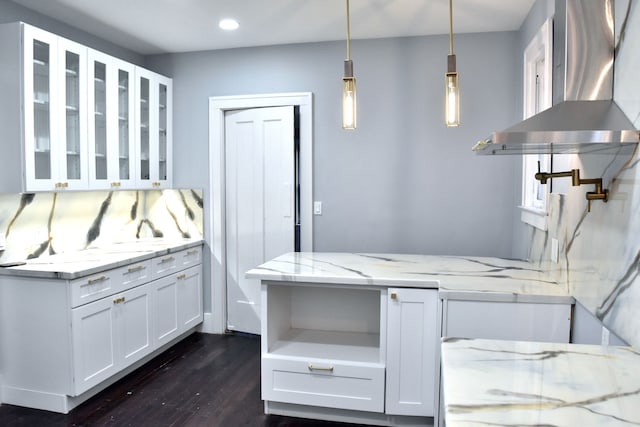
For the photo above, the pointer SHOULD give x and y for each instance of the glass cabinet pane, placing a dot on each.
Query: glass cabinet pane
(123, 124)
(162, 132)
(72, 104)
(42, 109)
(144, 128)
(100, 97)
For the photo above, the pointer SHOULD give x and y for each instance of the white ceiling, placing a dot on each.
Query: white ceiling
(164, 26)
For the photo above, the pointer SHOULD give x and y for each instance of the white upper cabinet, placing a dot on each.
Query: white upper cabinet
(154, 100)
(111, 122)
(77, 119)
(43, 110)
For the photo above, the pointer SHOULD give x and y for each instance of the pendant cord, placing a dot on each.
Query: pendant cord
(450, 26)
(348, 34)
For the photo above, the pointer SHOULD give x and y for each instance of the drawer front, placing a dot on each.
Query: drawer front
(134, 274)
(321, 383)
(100, 285)
(167, 264)
(94, 287)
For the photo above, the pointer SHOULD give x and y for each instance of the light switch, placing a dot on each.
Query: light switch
(317, 208)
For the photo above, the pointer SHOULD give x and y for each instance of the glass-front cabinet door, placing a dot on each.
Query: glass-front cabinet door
(40, 98)
(110, 122)
(154, 100)
(73, 127)
(55, 112)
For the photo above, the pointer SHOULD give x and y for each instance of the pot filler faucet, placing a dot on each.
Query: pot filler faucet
(598, 194)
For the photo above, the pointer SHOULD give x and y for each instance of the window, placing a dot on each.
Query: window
(537, 97)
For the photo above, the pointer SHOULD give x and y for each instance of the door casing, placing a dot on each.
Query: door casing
(215, 322)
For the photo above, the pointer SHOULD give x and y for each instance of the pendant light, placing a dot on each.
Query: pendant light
(348, 86)
(452, 89)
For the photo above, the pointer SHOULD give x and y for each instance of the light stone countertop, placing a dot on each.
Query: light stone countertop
(513, 383)
(71, 265)
(475, 278)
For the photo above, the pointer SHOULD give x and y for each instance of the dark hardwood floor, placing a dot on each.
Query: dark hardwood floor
(205, 380)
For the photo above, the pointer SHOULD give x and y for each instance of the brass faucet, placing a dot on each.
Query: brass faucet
(598, 194)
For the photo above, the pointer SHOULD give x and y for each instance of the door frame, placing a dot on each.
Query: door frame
(215, 322)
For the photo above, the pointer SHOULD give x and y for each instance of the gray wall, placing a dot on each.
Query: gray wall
(12, 12)
(401, 182)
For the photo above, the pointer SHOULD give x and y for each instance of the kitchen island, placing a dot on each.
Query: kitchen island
(356, 337)
(490, 382)
(71, 324)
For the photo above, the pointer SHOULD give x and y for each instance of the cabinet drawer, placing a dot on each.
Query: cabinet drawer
(167, 264)
(94, 287)
(332, 384)
(100, 285)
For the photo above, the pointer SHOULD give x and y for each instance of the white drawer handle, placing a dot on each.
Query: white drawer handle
(136, 268)
(167, 259)
(320, 368)
(97, 279)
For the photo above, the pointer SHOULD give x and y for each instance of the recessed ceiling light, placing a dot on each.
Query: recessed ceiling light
(228, 24)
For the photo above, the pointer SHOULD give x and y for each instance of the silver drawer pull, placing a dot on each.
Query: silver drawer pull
(192, 252)
(136, 268)
(97, 279)
(181, 276)
(320, 368)
(167, 259)
(118, 300)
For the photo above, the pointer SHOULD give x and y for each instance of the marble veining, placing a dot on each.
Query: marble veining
(510, 383)
(39, 225)
(455, 277)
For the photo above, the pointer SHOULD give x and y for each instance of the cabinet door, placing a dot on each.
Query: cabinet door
(135, 323)
(72, 156)
(41, 96)
(411, 351)
(190, 297)
(166, 313)
(95, 346)
(154, 100)
(111, 130)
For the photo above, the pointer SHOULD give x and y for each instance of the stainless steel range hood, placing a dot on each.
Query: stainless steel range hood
(584, 117)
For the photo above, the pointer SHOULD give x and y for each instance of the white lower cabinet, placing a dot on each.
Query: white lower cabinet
(324, 346)
(178, 300)
(411, 351)
(110, 334)
(350, 353)
(62, 341)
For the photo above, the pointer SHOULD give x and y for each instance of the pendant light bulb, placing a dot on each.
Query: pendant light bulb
(348, 97)
(451, 84)
(349, 112)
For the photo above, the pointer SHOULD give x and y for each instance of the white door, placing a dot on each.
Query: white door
(259, 179)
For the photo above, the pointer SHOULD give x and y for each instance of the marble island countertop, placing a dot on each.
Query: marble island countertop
(489, 382)
(478, 278)
(71, 265)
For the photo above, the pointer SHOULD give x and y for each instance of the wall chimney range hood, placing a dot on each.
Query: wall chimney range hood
(584, 118)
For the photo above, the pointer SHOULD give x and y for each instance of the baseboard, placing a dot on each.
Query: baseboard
(345, 416)
(207, 326)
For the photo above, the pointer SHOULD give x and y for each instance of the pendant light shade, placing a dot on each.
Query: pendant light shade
(348, 86)
(452, 87)
(348, 97)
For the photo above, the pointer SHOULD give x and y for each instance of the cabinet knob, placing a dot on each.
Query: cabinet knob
(115, 184)
(394, 296)
(156, 184)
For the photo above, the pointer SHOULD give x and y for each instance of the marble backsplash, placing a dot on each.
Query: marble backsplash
(600, 250)
(42, 224)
